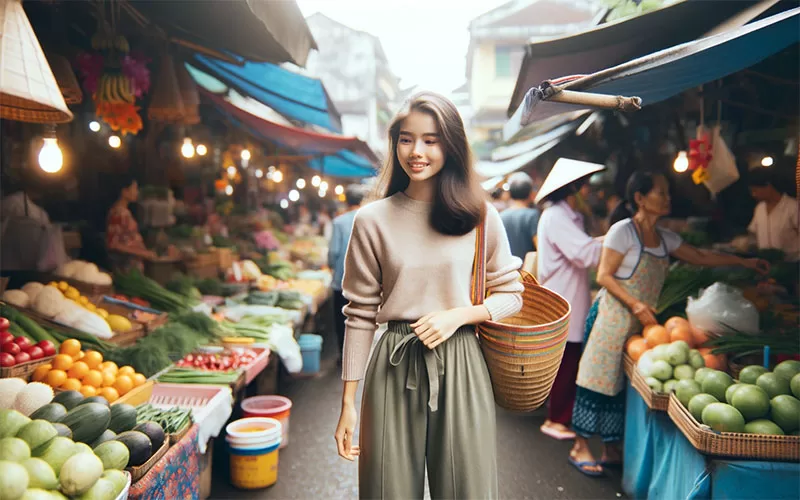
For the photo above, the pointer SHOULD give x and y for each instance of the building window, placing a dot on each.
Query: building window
(507, 61)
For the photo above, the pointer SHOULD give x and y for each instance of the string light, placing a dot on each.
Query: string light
(187, 150)
(277, 176)
(294, 195)
(259, 173)
(201, 149)
(94, 126)
(284, 203)
(301, 183)
(315, 181)
(114, 141)
(322, 193)
(229, 190)
(231, 171)
(324, 186)
(681, 163)
(339, 189)
(245, 154)
(767, 161)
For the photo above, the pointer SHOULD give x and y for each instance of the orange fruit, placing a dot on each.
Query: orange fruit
(88, 391)
(637, 348)
(40, 372)
(109, 365)
(55, 378)
(62, 362)
(109, 393)
(699, 336)
(138, 379)
(675, 322)
(108, 378)
(93, 378)
(123, 384)
(630, 341)
(682, 332)
(70, 347)
(92, 358)
(714, 361)
(79, 370)
(126, 370)
(72, 384)
(655, 335)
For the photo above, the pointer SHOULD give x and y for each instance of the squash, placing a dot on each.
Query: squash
(87, 421)
(139, 447)
(70, 399)
(52, 412)
(123, 418)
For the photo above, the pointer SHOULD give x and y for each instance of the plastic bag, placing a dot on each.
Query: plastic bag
(720, 308)
(722, 171)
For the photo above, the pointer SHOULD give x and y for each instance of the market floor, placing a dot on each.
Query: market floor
(531, 465)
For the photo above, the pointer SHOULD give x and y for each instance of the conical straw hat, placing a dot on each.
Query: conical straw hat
(565, 172)
(167, 103)
(190, 98)
(28, 89)
(65, 77)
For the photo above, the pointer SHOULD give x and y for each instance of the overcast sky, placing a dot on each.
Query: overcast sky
(425, 40)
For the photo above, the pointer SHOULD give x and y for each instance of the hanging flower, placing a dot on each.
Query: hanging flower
(134, 66)
(121, 117)
(90, 66)
(700, 153)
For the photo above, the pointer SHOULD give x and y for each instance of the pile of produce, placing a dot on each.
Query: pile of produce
(84, 271)
(136, 284)
(22, 396)
(243, 271)
(17, 345)
(172, 420)
(675, 329)
(285, 299)
(194, 376)
(87, 373)
(761, 402)
(230, 359)
(281, 270)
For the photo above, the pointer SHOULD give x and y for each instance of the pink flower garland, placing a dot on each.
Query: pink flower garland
(134, 66)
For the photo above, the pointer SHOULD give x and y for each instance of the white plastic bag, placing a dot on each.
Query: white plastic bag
(721, 308)
(722, 171)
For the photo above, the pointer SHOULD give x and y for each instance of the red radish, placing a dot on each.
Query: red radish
(22, 342)
(6, 337)
(4, 324)
(22, 357)
(11, 348)
(36, 352)
(7, 360)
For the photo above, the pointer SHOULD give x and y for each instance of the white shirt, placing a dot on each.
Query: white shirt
(779, 228)
(15, 206)
(564, 254)
(622, 238)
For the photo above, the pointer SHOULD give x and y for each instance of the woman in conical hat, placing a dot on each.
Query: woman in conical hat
(565, 253)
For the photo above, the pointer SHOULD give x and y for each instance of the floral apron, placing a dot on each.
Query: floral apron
(600, 369)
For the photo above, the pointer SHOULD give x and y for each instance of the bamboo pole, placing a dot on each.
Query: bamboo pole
(595, 100)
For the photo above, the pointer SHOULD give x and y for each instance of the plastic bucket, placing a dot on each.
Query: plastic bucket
(254, 446)
(277, 407)
(311, 350)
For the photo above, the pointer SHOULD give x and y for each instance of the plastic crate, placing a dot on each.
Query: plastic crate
(203, 400)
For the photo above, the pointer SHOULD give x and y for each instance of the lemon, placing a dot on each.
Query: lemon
(63, 286)
(53, 284)
(82, 300)
(102, 313)
(72, 294)
(119, 323)
(91, 307)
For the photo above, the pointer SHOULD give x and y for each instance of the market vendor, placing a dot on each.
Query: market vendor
(565, 253)
(775, 219)
(632, 270)
(124, 242)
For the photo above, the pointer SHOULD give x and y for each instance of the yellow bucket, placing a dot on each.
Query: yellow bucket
(254, 444)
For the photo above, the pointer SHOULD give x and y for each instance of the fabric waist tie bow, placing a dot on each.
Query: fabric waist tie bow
(434, 365)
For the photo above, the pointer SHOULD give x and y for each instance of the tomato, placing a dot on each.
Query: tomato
(11, 348)
(36, 352)
(7, 360)
(47, 347)
(4, 324)
(22, 357)
(6, 337)
(23, 342)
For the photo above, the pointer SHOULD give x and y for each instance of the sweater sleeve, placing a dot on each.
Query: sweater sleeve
(361, 286)
(502, 271)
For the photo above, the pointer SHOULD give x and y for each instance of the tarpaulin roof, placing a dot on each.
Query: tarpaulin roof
(293, 95)
(614, 43)
(338, 155)
(257, 30)
(669, 72)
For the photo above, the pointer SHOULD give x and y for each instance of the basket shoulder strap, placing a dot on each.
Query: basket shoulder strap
(478, 292)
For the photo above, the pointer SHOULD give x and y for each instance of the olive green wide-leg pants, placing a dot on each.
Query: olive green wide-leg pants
(423, 406)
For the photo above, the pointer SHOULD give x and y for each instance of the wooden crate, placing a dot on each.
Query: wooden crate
(24, 370)
(732, 444)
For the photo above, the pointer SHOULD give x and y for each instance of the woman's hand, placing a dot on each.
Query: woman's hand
(646, 314)
(759, 265)
(433, 329)
(345, 432)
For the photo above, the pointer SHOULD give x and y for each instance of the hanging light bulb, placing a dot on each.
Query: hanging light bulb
(187, 150)
(284, 203)
(339, 189)
(767, 161)
(271, 168)
(324, 186)
(301, 183)
(201, 149)
(231, 171)
(322, 193)
(50, 158)
(229, 190)
(259, 173)
(294, 195)
(277, 176)
(94, 126)
(315, 181)
(245, 154)
(681, 163)
(114, 141)
(506, 186)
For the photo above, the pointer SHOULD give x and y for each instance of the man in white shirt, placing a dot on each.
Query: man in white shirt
(775, 219)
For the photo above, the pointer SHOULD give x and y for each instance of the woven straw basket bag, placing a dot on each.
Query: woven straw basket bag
(523, 352)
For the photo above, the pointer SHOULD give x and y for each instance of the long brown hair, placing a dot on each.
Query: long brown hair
(459, 203)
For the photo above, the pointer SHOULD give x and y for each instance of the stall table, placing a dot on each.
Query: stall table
(661, 463)
(177, 475)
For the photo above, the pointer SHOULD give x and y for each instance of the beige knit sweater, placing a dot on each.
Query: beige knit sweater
(398, 268)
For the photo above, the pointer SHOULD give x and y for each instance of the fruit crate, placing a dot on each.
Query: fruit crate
(628, 365)
(139, 472)
(137, 395)
(87, 289)
(732, 444)
(24, 370)
(657, 401)
(204, 400)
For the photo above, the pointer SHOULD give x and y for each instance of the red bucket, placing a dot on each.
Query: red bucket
(277, 407)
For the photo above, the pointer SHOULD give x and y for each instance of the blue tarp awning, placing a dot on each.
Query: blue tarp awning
(295, 96)
(671, 71)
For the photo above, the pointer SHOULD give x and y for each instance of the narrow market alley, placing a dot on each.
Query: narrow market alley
(531, 465)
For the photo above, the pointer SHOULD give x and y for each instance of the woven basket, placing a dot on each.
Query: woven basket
(657, 401)
(189, 96)
(65, 77)
(166, 104)
(732, 444)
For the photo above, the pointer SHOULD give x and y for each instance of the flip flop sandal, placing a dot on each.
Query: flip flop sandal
(556, 434)
(580, 466)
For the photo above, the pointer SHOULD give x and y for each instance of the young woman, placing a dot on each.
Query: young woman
(427, 396)
(632, 270)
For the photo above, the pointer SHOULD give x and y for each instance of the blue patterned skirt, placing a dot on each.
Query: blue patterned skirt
(596, 414)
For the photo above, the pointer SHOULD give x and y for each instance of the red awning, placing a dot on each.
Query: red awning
(292, 137)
